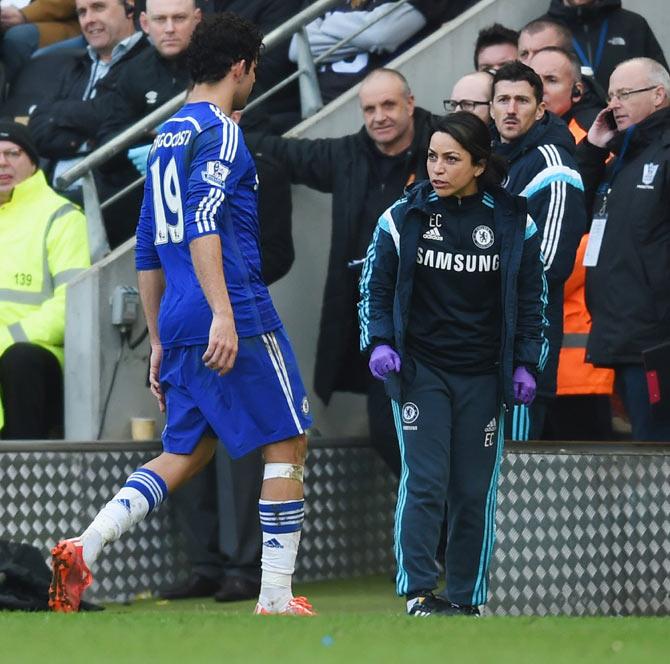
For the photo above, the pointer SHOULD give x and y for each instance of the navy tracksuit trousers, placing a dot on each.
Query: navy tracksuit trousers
(450, 433)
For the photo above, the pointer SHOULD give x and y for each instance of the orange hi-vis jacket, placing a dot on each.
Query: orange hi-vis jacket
(575, 375)
(577, 131)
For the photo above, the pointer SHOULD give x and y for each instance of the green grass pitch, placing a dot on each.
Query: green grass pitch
(360, 620)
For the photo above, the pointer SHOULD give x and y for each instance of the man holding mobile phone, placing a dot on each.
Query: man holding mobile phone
(628, 255)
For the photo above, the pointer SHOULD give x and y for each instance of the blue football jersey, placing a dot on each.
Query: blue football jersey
(201, 179)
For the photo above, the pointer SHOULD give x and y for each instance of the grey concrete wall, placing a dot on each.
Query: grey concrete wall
(657, 13)
(91, 344)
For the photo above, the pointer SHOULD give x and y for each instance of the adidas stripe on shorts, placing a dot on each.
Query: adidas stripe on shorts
(261, 400)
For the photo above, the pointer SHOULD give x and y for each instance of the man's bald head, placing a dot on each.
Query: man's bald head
(638, 87)
(388, 109)
(388, 78)
(475, 88)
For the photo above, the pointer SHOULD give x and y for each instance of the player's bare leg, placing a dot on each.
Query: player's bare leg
(281, 510)
(143, 491)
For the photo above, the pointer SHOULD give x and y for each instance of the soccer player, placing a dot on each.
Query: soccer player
(221, 363)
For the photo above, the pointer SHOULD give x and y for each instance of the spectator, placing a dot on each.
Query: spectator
(495, 46)
(145, 83)
(379, 44)
(539, 34)
(539, 149)
(627, 286)
(44, 245)
(566, 95)
(38, 24)
(216, 511)
(564, 90)
(605, 34)
(472, 93)
(66, 127)
(157, 74)
(365, 172)
(582, 410)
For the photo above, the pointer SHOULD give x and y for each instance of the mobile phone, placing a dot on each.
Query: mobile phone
(609, 118)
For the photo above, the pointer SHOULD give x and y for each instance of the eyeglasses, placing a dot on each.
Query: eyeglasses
(450, 105)
(11, 155)
(623, 95)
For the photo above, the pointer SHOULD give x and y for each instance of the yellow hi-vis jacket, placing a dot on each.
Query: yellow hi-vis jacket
(43, 245)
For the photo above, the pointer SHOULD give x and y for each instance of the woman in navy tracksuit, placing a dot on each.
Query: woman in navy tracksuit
(452, 313)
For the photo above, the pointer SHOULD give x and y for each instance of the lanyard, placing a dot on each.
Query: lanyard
(605, 188)
(599, 53)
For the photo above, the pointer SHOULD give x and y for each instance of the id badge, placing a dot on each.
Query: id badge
(595, 240)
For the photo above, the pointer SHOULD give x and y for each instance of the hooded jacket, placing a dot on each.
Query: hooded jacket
(346, 168)
(628, 291)
(542, 168)
(628, 34)
(387, 282)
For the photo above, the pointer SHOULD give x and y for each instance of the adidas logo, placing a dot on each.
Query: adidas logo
(432, 234)
(124, 501)
(491, 426)
(273, 544)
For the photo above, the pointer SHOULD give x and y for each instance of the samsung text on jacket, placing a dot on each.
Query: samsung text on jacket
(443, 260)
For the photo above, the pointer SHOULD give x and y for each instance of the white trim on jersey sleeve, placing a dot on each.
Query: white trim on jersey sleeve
(205, 214)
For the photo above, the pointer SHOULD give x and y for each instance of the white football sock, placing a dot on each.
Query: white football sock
(281, 523)
(143, 491)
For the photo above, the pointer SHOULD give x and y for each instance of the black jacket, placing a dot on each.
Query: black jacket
(144, 84)
(583, 115)
(275, 211)
(344, 167)
(628, 34)
(386, 287)
(628, 292)
(543, 168)
(60, 126)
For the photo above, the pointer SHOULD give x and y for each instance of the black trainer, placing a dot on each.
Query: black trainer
(464, 610)
(430, 605)
(427, 604)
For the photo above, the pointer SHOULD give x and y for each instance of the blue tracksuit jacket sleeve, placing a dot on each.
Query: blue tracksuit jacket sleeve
(530, 345)
(556, 203)
(377, 284)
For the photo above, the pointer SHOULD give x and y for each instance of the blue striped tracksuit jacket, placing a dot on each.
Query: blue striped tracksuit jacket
(543, 169)
(386, 289)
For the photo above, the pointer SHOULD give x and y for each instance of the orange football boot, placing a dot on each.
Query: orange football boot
(298, 606)
(70, 577)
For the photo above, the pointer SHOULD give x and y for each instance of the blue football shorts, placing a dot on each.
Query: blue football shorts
(261, 400)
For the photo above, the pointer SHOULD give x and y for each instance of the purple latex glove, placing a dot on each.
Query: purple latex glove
(382, 360)
(524, 385)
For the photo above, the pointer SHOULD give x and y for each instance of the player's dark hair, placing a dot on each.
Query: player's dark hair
(218, 42)
(473, 135)
(517, 71)
(494, 35)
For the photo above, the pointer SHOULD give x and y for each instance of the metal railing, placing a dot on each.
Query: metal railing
(310, 98)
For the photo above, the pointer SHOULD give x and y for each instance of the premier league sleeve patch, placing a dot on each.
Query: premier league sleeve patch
(215, 174)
